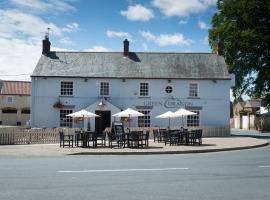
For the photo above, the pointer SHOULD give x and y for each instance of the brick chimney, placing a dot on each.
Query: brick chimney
(219, 49)
(46, 45)
(126, 48)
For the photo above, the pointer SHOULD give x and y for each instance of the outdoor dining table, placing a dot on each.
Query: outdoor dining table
(85, 137)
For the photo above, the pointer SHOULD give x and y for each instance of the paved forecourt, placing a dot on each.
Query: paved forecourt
(208, 145)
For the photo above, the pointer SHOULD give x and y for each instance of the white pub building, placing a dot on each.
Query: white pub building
(150, 82)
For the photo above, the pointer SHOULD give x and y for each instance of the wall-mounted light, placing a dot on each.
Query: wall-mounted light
(169, 80)
(214, 81)
(101, 104)
(86, 79)
(123, 80)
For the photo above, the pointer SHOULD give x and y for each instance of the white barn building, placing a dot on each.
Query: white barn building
(152, 83)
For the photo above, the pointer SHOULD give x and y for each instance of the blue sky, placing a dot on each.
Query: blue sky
(99, 25)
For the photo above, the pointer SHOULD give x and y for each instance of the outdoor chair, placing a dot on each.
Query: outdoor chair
(133, 138)
(174, 137)
(143, 140)
(155, 134)
(119, 139)
(66, 140)
(90, 138)
(79, 138)
(101, 139)
(166, 137)
(196, 137)
(161, 135)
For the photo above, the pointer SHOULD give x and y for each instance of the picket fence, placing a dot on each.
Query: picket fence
(16, 135)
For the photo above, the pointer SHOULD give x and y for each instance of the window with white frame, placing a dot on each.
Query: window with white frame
(104, 88)
(67, 88)
(65, 121)
(193, 120)
(144, 121)
(144, 89)
(9, 99)
(193, 89)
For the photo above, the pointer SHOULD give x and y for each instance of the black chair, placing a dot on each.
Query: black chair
(118, 139)
(174, 137)
(133, 139)
(79, 138)
(162, 133)
(166, 137)
(155, 134)
(196, 137)
(101, 139)
(143, 140)
(66, 140)
(90, 138)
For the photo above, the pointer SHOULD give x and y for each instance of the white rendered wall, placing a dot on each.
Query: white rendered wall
(213, 99)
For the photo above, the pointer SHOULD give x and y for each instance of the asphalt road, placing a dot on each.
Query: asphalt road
(233, 175)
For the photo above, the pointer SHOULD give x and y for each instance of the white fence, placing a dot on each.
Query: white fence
(16, 135)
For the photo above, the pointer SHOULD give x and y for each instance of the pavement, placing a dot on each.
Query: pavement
(213, 144)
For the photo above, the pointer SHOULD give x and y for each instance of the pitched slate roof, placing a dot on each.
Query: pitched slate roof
(137, 65)
(15, 88)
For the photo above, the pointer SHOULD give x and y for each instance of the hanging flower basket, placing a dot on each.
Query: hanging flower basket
(58, 105)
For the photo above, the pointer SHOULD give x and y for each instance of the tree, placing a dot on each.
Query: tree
(243, 29)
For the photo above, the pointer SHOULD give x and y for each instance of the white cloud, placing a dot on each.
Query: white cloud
(145, 47)
(66, 41)
(44, 6)
(205, 40)
(182, 21)
(72, 27)
(16, 24)
(18, 58)
(97, 49)
(20, 41)
(122, 35)
(177, 39)
(202, 25)
(182, 8)
(138, 13)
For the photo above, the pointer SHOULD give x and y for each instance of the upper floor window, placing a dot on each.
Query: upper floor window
(144, 89)
(193, 89)
(104, 88)
(168, 89)
(9, 99)
(67, 88)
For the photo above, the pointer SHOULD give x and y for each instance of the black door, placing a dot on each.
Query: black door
(103, 121)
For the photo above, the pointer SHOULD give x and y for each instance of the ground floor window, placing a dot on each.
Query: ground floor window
(65, 121)
(193, 120)
(9, 110)
(144, 121)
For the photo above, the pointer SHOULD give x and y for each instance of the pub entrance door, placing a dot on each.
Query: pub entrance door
(103, 121)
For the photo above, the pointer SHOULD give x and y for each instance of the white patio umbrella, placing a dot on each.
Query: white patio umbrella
(183, 112)
(167, 115)
(128, 113)
(83, 114)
